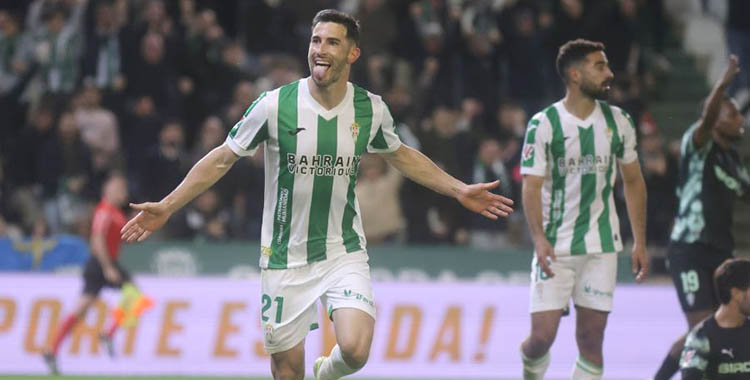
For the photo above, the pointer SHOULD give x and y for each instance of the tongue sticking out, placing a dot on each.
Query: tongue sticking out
(319, 71)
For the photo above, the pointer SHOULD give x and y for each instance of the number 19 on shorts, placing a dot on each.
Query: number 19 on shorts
(690, 281)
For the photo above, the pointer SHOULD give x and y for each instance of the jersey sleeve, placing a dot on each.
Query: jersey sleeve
(251, 130)
(100, 222)
(687, 146)
(383, 138)
(534, 153)
(629, 138)
(695, 355)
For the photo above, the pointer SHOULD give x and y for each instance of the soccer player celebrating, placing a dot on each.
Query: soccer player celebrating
(718, 347)
(712, 176)
(103, 269)
(568, 167)
(314, 132)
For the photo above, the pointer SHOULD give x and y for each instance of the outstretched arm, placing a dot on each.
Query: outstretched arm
(713, 104)
(203, 175)
(477, 197)
(635, 199)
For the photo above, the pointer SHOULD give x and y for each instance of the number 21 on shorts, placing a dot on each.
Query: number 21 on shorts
(266, 300)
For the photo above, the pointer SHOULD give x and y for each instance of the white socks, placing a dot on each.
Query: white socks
(534, 369)
(334, 366)
(585, 370)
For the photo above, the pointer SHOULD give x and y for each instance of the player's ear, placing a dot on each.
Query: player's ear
(574, 74)
(354, 53)
(735, 294)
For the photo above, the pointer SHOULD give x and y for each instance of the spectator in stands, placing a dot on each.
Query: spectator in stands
(525, 56)
(11, 68)
(140, 131)
(13, 72)
(98, 128)
(67, 176)
(443, 142)
(378, 194)
(205, 220)
(56, 48)
(489, 166)
(150, 74)
(482, 38)
(660, 172)
(377, 31)
(104, 52)
(244, 94)
(212, 134)
(738, 37)
(26, 156)
(166, 162)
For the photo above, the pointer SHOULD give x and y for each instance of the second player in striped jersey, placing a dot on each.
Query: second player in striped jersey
(314, 132)
(570, 157)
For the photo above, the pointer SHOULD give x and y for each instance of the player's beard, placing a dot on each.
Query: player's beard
(332, 74)
(596, 91)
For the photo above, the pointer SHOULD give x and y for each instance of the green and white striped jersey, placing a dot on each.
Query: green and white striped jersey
(576, 158)
(310, 210)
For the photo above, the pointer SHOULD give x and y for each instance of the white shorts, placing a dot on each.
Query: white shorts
(289, 300)
(590, 279)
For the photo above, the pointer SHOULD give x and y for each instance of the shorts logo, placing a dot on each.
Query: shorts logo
(266, 251)
(358, 297)
(596, 292)
(268, 333)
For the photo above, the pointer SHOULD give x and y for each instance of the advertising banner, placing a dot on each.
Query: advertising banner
(210, 327)
(47, 254)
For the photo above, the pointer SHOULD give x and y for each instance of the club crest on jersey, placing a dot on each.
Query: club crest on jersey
(354, 128)
(609, 132)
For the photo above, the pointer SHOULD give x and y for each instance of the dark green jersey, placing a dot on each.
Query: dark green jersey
(716, 353)
(711, 178)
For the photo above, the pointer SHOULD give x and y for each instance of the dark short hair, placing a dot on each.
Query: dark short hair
(731, 274)
(573, 52)
(350, 23)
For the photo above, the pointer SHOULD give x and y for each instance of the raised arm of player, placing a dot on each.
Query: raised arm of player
(635, 199)
(532, 207)
(477, 197)
(201, 176)
(713, 104)
(99, 227)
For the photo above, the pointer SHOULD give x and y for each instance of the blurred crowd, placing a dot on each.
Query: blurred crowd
(147, 87)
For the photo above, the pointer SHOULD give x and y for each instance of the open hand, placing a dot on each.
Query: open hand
(151, 217)
(478, 198)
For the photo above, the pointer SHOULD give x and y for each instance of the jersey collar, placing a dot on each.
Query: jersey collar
(319, 109)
